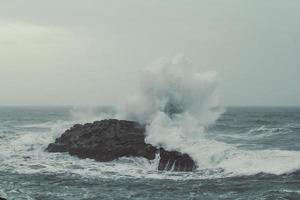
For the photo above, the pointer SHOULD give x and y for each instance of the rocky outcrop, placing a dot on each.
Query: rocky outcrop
(173, 160)
(107, 140)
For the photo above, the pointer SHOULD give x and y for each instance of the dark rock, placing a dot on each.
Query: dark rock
(107, 140)
(173, 160)
(104, 141)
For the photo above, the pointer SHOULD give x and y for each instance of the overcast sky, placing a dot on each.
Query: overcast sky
(72, 52)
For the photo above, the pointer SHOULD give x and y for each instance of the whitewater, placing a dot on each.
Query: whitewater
(178, 104)
(241, 152)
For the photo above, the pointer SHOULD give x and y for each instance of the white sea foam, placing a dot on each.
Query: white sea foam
(177, 104)
(23, 152)
(260, 132)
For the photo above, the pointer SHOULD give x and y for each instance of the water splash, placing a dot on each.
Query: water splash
(177, 104)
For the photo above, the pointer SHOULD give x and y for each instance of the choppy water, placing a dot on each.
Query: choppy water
(263, 160)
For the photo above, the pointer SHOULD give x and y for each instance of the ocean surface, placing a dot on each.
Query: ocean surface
(256, 157)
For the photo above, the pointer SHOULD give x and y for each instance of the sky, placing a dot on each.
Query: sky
(66, 52)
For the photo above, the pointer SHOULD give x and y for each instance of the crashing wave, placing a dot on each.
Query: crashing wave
(177, 104)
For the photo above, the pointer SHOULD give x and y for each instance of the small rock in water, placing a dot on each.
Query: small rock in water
(175, 161)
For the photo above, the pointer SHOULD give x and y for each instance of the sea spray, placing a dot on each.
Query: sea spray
(173, 88)
(176, 104)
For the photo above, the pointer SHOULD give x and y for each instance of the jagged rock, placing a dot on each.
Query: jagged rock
(172, 160)
(104, 141)
(110, 139)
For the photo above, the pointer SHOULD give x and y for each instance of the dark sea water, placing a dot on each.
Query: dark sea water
(261, 160)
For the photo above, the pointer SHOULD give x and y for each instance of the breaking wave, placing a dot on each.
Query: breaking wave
(177, 104)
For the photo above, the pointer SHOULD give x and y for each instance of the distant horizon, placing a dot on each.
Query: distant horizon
(98, 106)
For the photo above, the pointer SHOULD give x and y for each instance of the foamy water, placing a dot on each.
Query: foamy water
(177, 103)
(26, 168)
(240, 152)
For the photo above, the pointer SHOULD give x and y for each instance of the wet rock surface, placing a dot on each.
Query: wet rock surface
(111, 139)
(175, 161)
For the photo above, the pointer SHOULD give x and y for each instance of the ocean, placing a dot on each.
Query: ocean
(253, 154)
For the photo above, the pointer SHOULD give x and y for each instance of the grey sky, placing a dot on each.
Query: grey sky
(66, 52)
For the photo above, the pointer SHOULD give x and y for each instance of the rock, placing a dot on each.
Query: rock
(110, 139)
(104, 141)
(172, 160)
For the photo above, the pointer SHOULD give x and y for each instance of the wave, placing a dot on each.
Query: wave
(23, 152)
(178, 104)
(257, 133)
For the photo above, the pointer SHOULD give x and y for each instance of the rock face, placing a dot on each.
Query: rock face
(107, 140)
(172, 160)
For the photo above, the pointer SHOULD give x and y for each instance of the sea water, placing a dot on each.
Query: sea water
(240, 153)
(256, 156)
